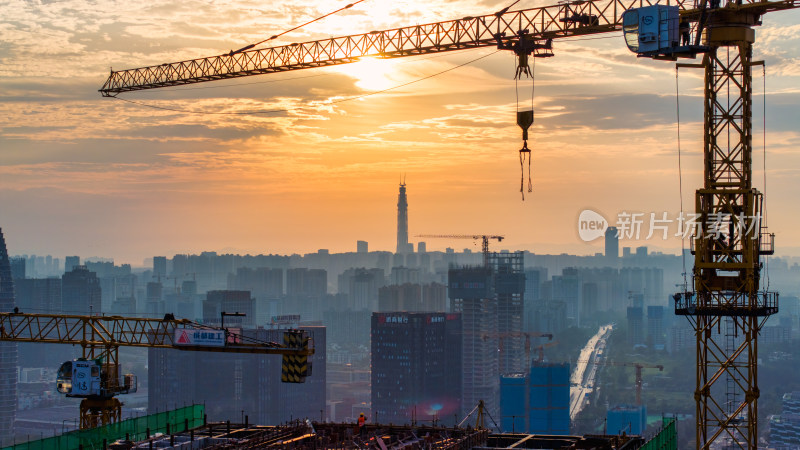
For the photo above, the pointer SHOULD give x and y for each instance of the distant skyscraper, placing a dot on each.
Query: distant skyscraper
(70, 262)
(155, 299)
(655, 327)
(472, 294)
(413, 297)
(362, 246)
(612, 245)
(8, 353)
(635, 326)
(17, 268)
(229, 301)
(160, 266)
(80, 291)
(402, 220)
(509, 279)
(42, 296)
(306, 282)
(263, 282)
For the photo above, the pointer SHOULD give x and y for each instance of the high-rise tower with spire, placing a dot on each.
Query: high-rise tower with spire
(402, 219)
(8, 353)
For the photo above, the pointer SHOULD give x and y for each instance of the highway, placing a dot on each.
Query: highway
(582, 380)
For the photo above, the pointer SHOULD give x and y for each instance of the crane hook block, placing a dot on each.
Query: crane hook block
(525, 120)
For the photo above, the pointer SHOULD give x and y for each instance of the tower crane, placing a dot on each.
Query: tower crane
(484, 238)
(726, 275)
(96, 376)
(515, 335)
(540, 351)
(639, 367)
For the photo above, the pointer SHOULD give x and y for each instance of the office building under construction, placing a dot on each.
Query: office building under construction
(537, 401)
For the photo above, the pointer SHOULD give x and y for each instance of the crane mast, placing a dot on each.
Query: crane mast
(726, 291)
(728, 306)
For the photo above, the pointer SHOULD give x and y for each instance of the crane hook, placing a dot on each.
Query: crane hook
(525, 120)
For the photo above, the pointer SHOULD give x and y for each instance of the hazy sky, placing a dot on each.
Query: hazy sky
(92, 176)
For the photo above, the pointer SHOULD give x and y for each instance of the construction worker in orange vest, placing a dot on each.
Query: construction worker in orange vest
(362, 429)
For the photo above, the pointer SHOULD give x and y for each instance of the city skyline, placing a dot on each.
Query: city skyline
(92, 176)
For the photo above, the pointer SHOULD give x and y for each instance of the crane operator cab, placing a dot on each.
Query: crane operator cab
(90, 378)
(658, 32)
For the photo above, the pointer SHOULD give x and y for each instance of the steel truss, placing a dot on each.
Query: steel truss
(100, 338)
(550, 22)
(727, 309)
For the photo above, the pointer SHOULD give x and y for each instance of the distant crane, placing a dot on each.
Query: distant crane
(540, 350)
(483, 237)
(517, 334)
(638, 366)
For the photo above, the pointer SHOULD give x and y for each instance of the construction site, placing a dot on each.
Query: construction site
(311, 435)
(489, 354)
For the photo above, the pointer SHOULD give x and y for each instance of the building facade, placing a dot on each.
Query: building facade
(471, 291)
(413, 359)
(509, 288)
(229, 301)
(81, 292)
(536, 401)
(8, 353)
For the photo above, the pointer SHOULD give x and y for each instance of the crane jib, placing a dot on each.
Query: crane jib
(563, 20)
(550, 22)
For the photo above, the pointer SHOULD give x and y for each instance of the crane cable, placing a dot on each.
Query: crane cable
(680, 179)
(525, 152)
(276, 36)
(764, 147)
(764, 155)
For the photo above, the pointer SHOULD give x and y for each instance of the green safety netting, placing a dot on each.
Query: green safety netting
(666, 439)
(133, 428)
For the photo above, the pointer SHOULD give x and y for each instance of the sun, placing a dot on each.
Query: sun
(372, 74)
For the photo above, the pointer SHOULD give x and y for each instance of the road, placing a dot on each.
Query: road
(582, 379)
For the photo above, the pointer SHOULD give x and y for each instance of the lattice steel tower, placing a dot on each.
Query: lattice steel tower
(728, 307)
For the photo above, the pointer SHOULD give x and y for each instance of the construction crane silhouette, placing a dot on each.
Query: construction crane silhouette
(540, 351)
(484, 238)
(95, 377)
(726, 276)
(502, 336)
(639, 367)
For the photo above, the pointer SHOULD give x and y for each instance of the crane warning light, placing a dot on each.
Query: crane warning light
(651, 30)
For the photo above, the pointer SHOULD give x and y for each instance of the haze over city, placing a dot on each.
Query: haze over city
(340, 237)
(100, 177)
